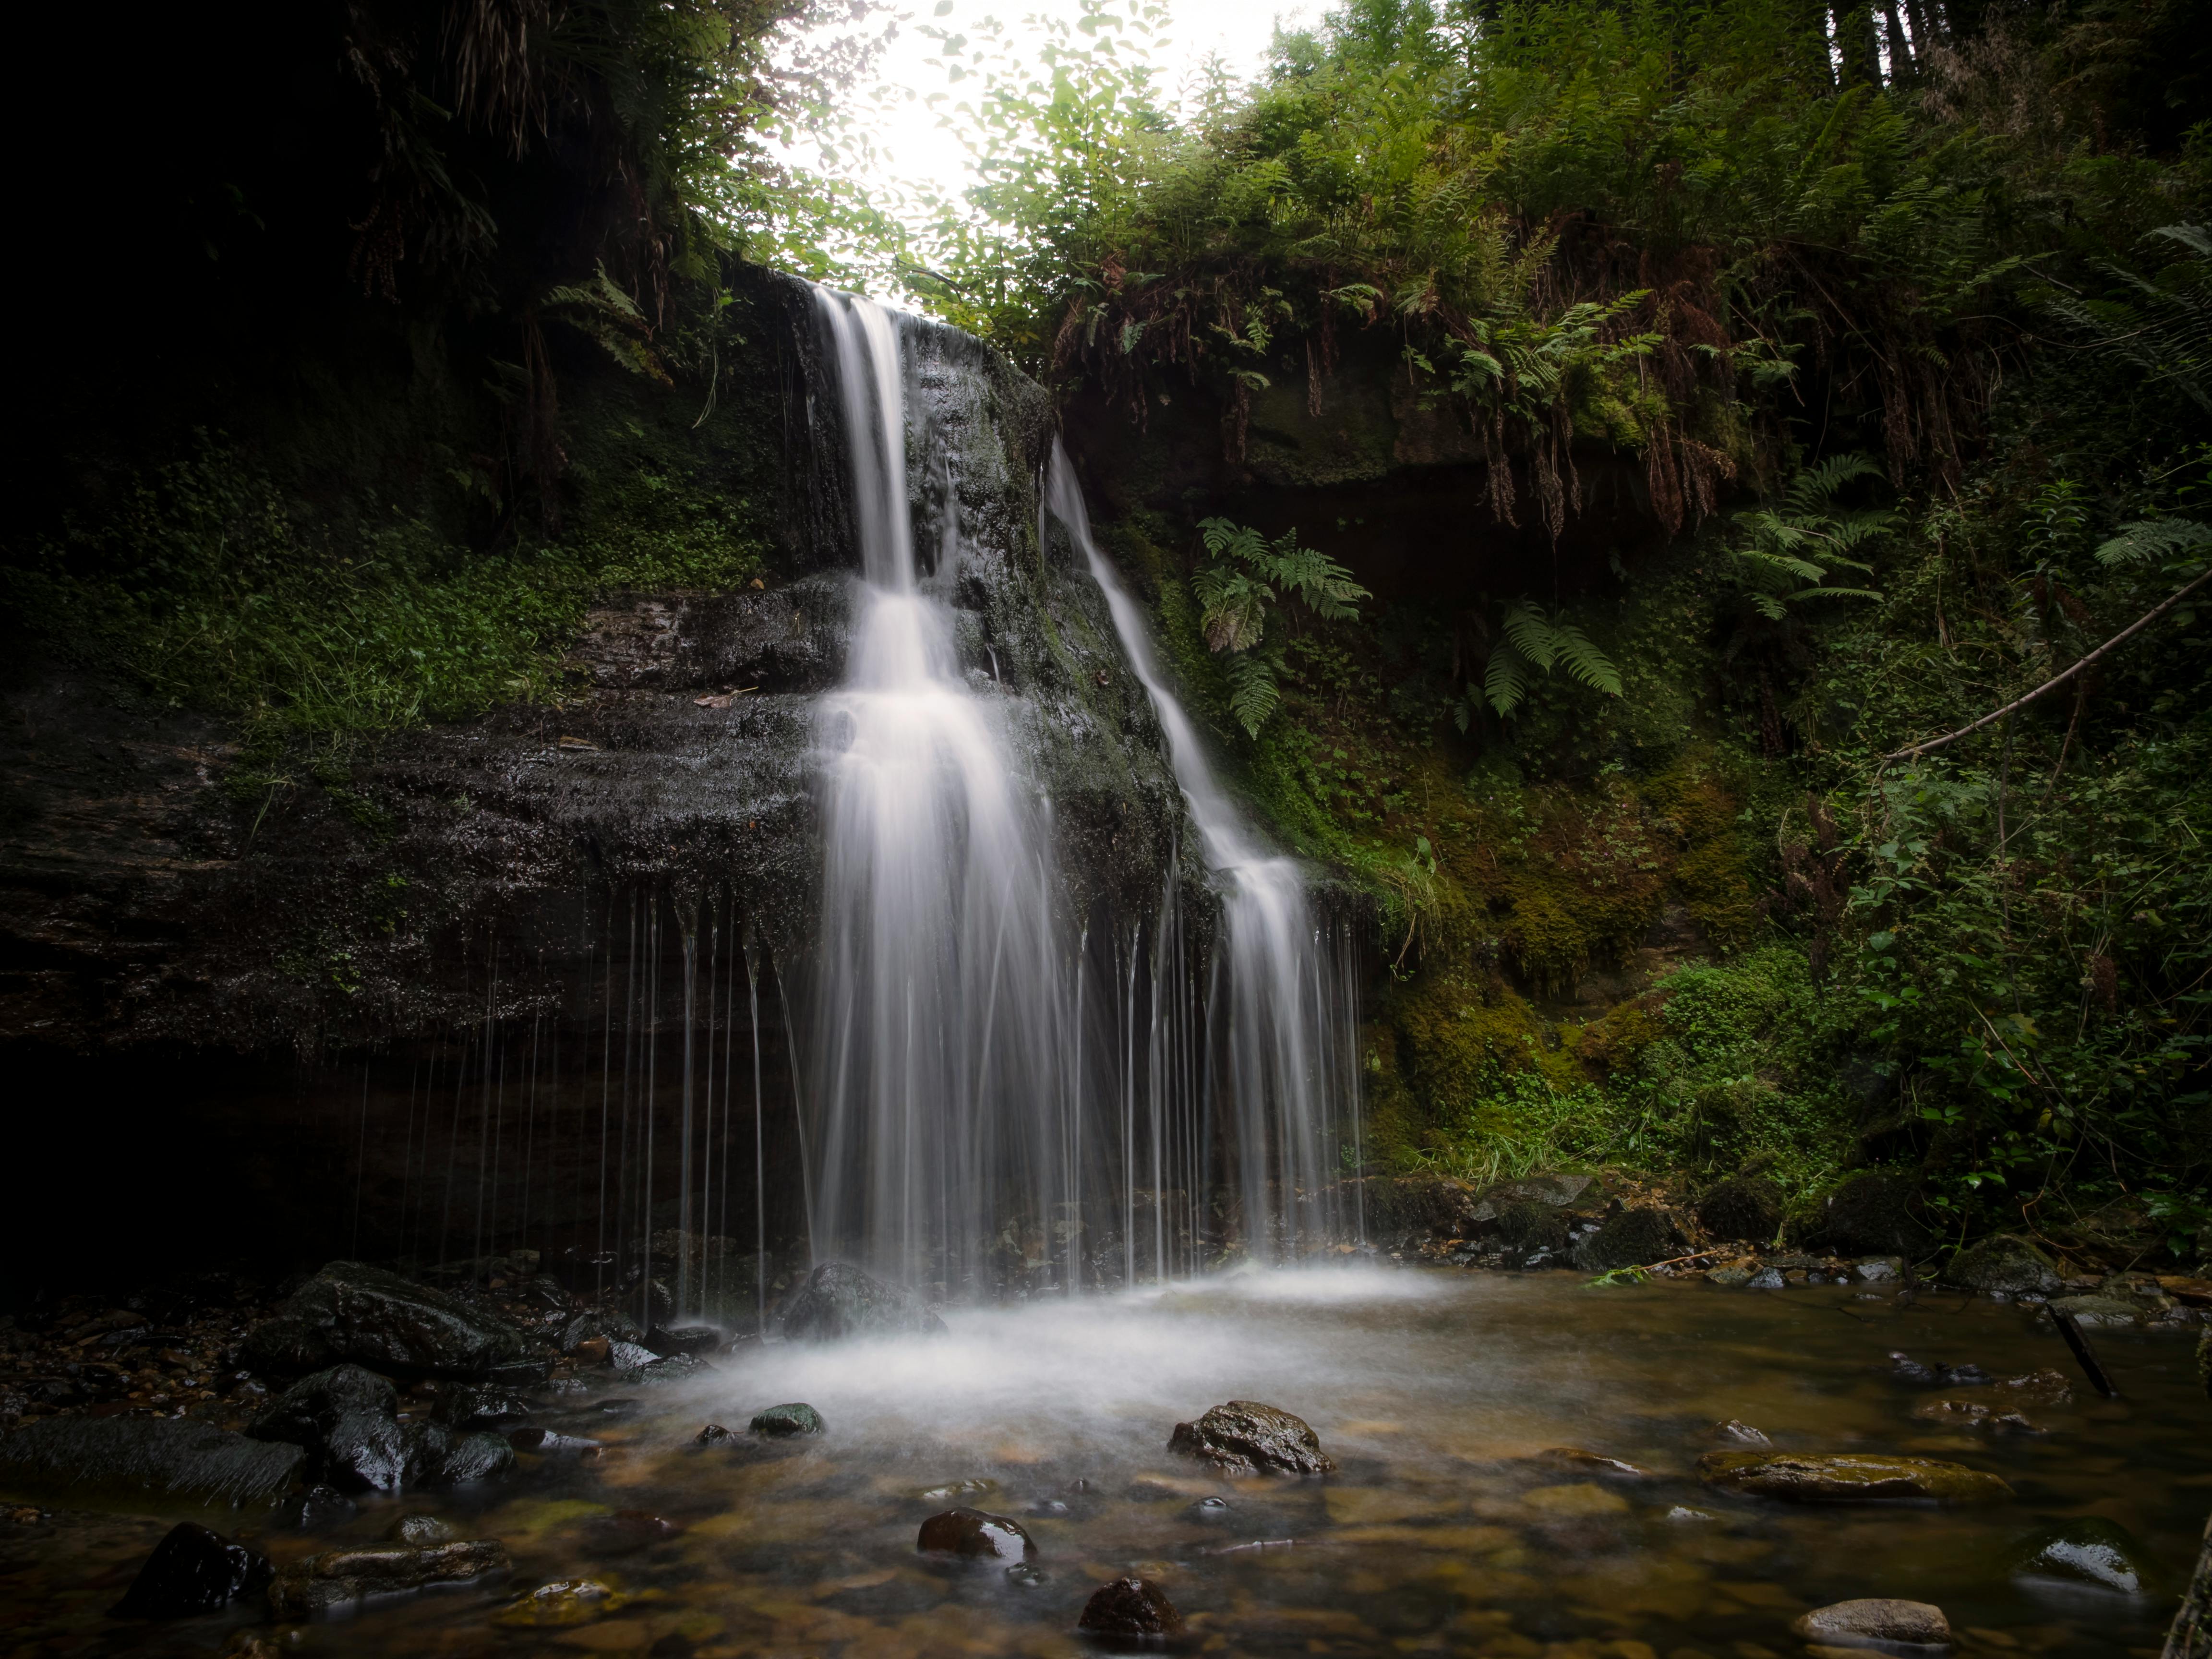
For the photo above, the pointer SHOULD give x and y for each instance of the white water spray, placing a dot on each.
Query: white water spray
(1281, 1007)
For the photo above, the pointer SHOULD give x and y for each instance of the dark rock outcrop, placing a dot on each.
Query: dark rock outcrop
(346, 1420)
(171, 1459)
(2004, 1262)
(1130, 1608)
(193, 1570)
(1850, 1477)
(1746, 1207)
(1246, 1437)
(352, 1311)
(839, 1300)
(1871, 1213)
(976, 1534)
(1633, 1238)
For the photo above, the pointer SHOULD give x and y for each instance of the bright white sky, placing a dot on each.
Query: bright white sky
(915, 150)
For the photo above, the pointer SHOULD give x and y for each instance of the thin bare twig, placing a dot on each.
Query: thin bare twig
(2134, 628)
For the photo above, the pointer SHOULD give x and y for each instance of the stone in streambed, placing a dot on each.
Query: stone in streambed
(563, 1602)
(482, 1406)
(1873, 1619)
(2088, 1550)
(1593, 1463)
(976, 1535)
(1130, 1608)
(346, 1420)
(1246, 1437)
(1850, 1477)
(779, 1422)
(1741, 1434)
(838, 1300)
(1973, 1414)
(180, 1460)
(2098, 1310)
(352, 1311)
(341, 1579)
(192, 1571)
(2004, 1262)
(419, 1530)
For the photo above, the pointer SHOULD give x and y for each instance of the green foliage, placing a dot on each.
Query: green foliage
(1532, 644)
(205, 588)
(1788, 548)
(1237, 590)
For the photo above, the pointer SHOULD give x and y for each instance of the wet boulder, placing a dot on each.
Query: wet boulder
(1526, 1227)
(482, 1405)
(2088, 1550)
(1246, 1437)
(440, 1457)
(193, 1570)
(839, 1300)
(416, 1529)
(1579, 1461)
(346, 1420)
(976, 1535)
(1746, 1208)
(1634, 1238)
(1130, 1608)
(1875, 1619)
(2004, 1262)
(1873, 1213)
(180, 1460)
(779, 1422)
(601, 1324)
(340, 1579)
(352, 1311)
(1850, 1477)
(1741, 1434)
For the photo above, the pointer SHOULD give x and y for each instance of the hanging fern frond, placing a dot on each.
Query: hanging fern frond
(1536, 644)
(1253, 692)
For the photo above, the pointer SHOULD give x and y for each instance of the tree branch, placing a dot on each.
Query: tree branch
(2053, 683)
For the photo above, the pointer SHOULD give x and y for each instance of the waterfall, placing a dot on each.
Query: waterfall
(1282, 1009)
(1000, 1096)
(940, 1014)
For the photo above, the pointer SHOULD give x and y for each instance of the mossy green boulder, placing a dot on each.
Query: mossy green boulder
(2007, 1263)
(780, 1421)
(1850, 1477)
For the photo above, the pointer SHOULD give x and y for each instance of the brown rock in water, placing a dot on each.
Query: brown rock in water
(338, 1578)
(191, 1570)
(1973, 1414)
(2049, 1386)
(1856, 1624)
(1850, 1477)
(1130, 1607)
(1596, 1464)
(1246, 1437)
(976, 1535)
(1741, 1434)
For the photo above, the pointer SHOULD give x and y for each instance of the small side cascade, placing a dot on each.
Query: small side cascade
(1281, 1013)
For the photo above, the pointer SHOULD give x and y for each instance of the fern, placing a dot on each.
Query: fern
(1789, 548)
(2149, 540)
(1237, 592)
(1534, 644)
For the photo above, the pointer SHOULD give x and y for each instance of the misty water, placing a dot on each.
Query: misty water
(1445, 1527)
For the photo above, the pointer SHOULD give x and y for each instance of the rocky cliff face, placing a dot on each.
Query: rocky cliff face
(463, 892)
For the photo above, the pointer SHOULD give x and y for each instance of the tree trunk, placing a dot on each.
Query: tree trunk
(1856, 43)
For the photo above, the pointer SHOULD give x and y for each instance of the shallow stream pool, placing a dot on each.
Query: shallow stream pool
(1444, 1530)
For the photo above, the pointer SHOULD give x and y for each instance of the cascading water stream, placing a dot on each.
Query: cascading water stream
(940, 1016)
(1289, 1022)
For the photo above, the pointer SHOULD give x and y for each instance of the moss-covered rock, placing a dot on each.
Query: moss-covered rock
(2004, 1262)
(1850, 1477)
(1746, 1207)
